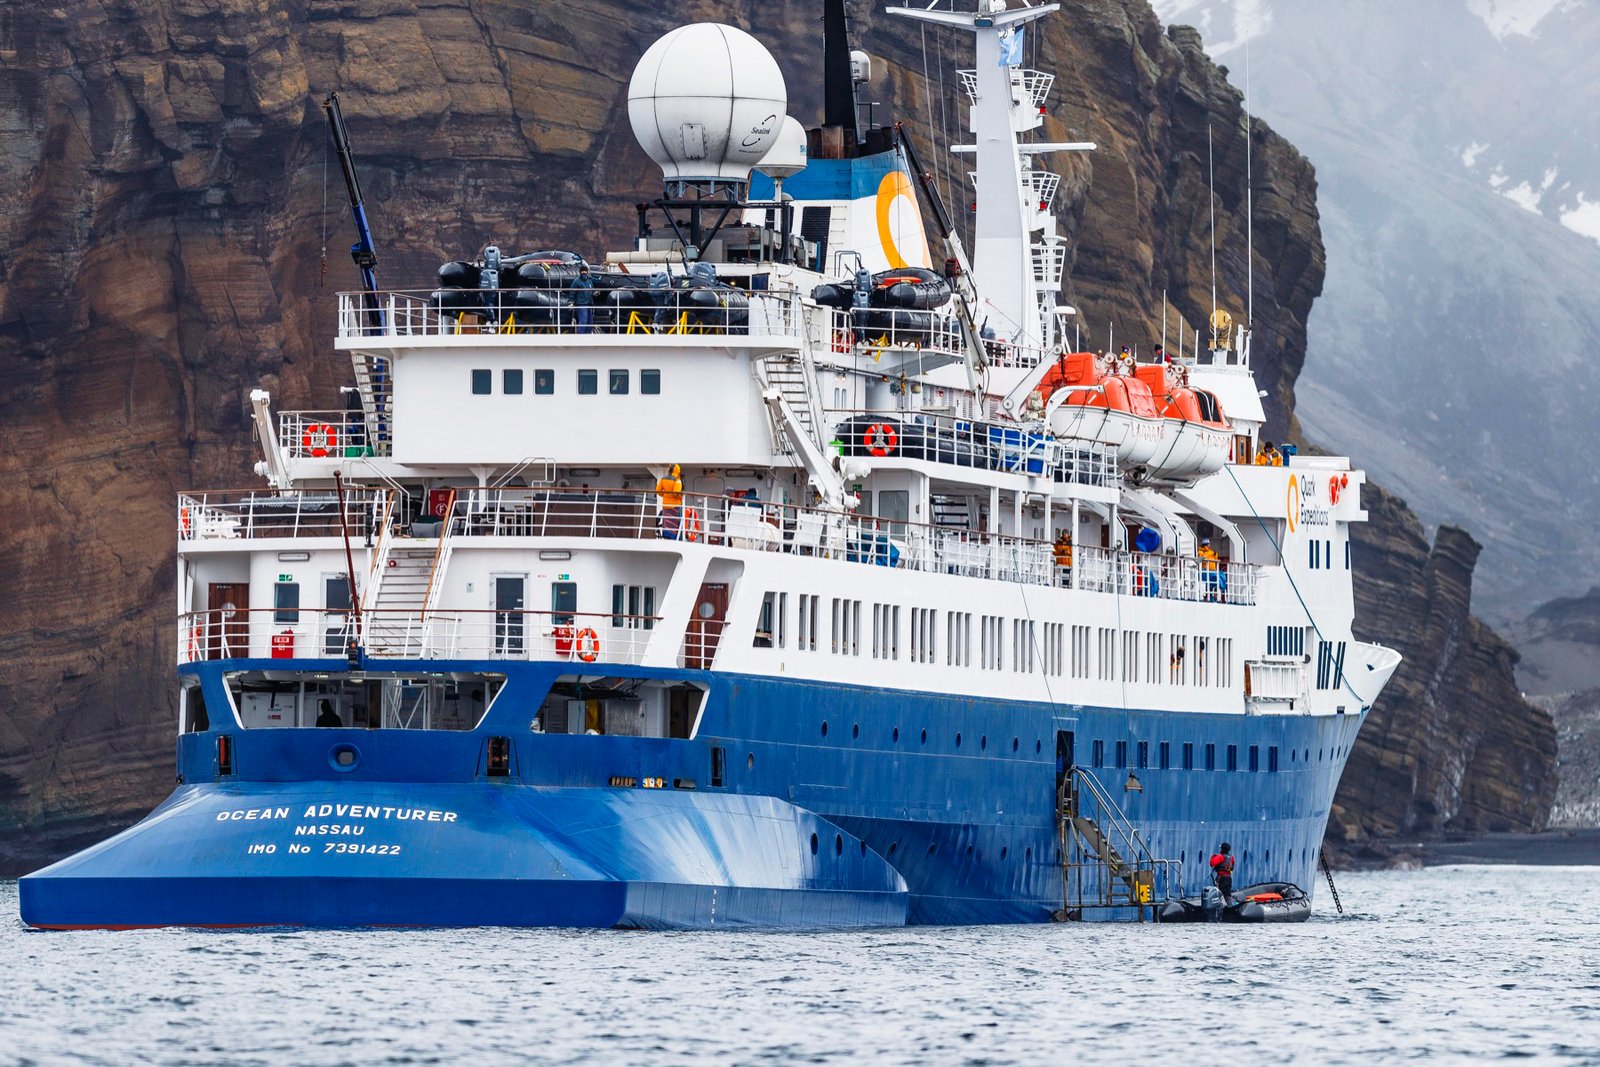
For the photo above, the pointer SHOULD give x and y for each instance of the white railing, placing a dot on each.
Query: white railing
(266, 633)
(1031, 85)
(332, 435)
(1276, 682)
(540, 312)
(1042, 186)
(1049, 264)
(965, 443)
(1150, 574)
(884, 328)
(229, 515)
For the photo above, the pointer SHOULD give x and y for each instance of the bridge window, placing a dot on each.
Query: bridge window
(511, 382)
(1099, 754)
(544, 382)
(619, 383)
(650, 382)
(482, 382)
(588, 383)
(1211, 757)
(1188, 755)
(1233, 757)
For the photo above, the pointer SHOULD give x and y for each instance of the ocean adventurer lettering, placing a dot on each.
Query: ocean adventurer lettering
(340, 811)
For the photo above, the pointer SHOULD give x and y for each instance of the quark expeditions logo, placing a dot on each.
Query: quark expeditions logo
(1303, 506)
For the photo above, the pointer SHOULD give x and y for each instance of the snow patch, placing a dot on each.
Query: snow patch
(1225, 25)
(1524, 195)
(1469, 156)
(1583, 219)
(1507, 17)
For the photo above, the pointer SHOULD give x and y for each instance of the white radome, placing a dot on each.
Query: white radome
(707, 102)
(787, 156)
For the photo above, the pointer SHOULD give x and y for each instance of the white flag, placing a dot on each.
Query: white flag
(1011, 48)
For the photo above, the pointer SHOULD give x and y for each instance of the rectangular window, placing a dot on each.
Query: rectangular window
(511, 382)
(563, 602)
(1255, 758)
(719, 766)
(1099, 753)
(1144, 755)
(619, 383)
(482, 382)
(619, 600)
(1166, 755)
(1122, 753)
(588, 383)
(544, 382)
(1233, 757)
(764, 623)
(1188, 755)
(1108, 654)
(1130, 656)
(286, 602)
(783, 620)
(1272, 759)
(1211, 757)
(650, 382)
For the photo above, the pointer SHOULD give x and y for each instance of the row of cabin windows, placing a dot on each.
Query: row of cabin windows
(1163, 754)
(1321, 553)
(1330, 664)
(1022, 645)
(618, 382)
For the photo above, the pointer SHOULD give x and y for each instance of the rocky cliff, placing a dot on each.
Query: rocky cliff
(166, 197)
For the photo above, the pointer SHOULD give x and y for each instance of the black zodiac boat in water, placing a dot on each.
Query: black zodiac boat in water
(1268, 902)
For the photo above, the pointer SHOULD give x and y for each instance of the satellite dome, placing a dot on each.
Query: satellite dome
(707, 102)
(787, 157)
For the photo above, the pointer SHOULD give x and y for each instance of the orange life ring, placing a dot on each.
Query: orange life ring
(183, 520)
(587, 644)
(881, 439)
(691, 525)
(319, 439)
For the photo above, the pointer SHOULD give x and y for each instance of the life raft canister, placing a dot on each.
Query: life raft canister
(881, 439)
(587, 644)
(319, 439)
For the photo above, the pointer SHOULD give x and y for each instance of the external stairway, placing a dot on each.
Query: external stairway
(1105, 862)
(403, 589)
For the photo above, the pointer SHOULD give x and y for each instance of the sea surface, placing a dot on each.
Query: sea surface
(1441, 965)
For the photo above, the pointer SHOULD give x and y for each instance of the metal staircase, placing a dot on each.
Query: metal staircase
(793, 378)
(1105, 862)
(403, 589)
(372, 385)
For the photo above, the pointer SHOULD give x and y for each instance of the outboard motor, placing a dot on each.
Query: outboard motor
(1211, 903)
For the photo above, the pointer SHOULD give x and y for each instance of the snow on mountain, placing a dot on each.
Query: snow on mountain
(1459, 186)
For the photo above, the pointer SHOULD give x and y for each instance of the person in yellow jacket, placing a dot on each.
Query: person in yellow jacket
(1063, 550)
(1268, 456)
(669, 495)
(1210, 569)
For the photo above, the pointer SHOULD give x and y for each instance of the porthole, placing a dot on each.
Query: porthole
(924, 737)
(933, 846)
(838, 844)
(1028, 855)
(1038, 746)
(1014, 744)
(983, 743)
(855, 731)
(958, 740)
(894, 846)
(863, 845)
(750, 762)
(969, 851)
(1003, 850)
(896, 735)
(813, 844)
(824, 727)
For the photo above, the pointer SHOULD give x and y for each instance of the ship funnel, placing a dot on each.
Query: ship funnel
(707, 103)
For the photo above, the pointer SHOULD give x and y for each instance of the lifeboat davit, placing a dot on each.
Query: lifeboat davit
(1108, 409)
(1195, 433)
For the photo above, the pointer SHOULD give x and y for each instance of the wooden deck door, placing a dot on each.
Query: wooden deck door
(710, 615)
(228, 621)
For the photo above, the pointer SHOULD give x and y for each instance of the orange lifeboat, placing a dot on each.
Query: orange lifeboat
(1195, 433)
(1084, 400)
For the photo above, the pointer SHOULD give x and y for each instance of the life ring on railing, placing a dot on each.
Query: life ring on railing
(881, 439)
(692, 529)
(319, 439)
(183, 521)
(587, 645)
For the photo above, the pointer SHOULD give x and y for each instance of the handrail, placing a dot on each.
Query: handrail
(441, 556)
(1120, 844)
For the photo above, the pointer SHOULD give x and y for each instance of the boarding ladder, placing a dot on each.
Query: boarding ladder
(403, 590)
(373, 387)
(1105, 862)
(794, 377)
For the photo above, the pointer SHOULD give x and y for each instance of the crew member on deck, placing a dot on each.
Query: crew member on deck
(1063, 552)
(326, 716)
(1268, 456)
(669, 495)
(1209, 567)
(1222, 871)
(582, 289)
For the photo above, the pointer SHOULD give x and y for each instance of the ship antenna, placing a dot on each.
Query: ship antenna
(1249, 201)
(1211, 167)
(1163, 321)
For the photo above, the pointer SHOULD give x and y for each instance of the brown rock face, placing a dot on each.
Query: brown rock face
(1451, 744)
(163, 175)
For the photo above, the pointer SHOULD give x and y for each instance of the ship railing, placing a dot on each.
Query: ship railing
(745, 522)
(246, 513)
(582, 638)
(936, 332)
(1106, 861)
(940, 438)
(1164, 576)
(325, 435)
(534, 312)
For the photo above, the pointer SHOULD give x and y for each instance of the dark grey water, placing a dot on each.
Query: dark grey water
(1445, 964)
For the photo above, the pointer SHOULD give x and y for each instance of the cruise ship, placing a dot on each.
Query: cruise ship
(790, 567)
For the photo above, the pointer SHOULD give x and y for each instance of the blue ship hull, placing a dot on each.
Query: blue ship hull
(836, 806)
